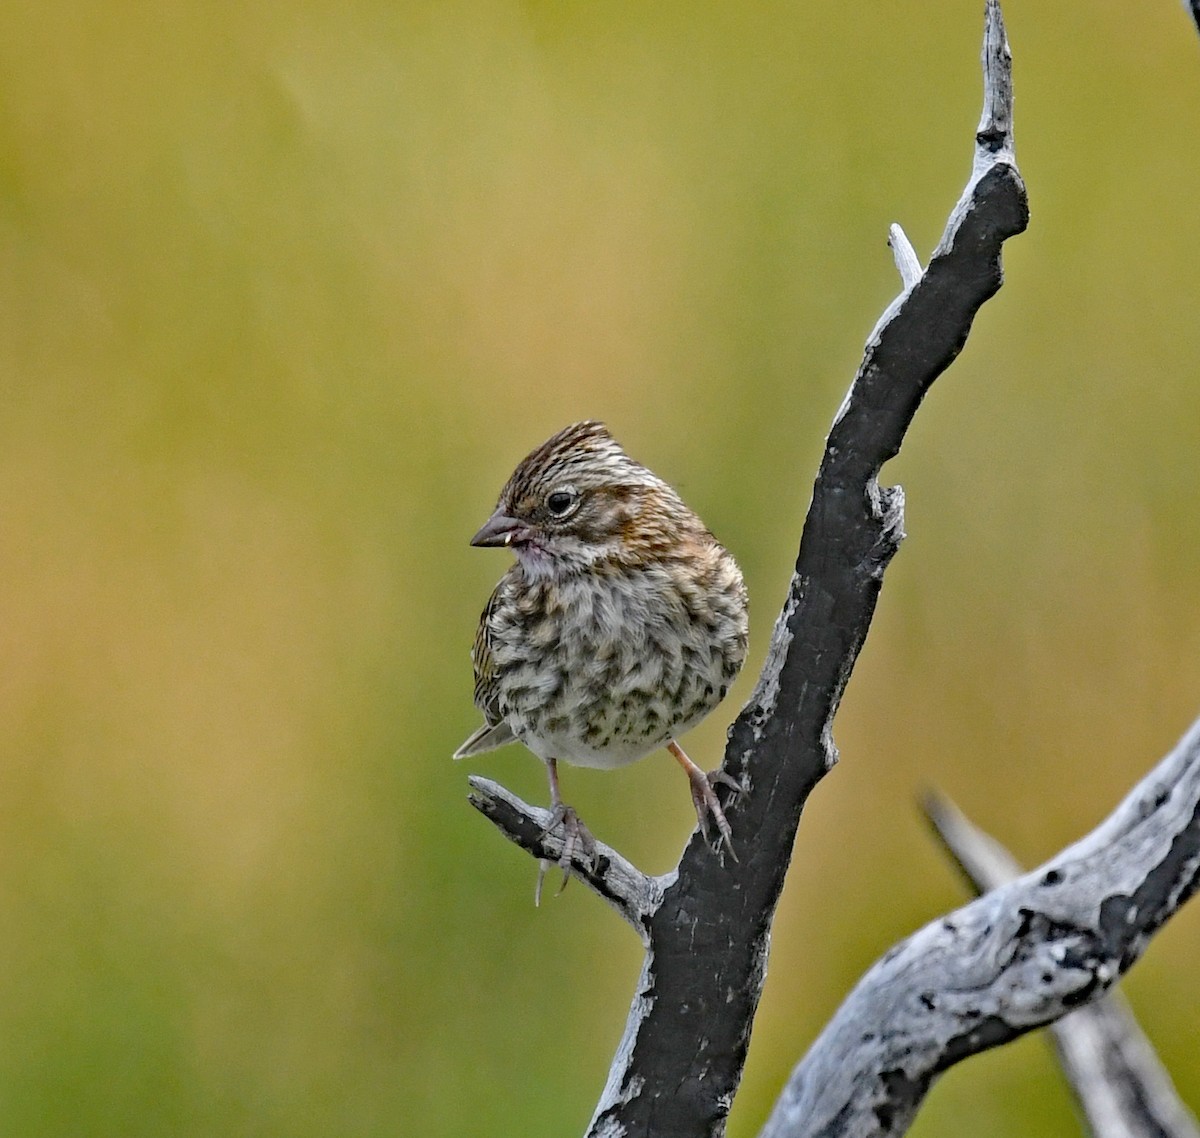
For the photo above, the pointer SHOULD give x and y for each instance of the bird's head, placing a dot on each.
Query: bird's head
(577, 502)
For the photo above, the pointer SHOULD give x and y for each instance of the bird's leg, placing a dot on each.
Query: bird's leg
(704, 798)
(575, 834)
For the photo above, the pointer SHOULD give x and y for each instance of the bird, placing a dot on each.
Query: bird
(620, 625)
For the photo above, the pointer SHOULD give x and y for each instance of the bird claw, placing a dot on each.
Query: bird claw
(704, 798)
(576, 836)
(723, 778)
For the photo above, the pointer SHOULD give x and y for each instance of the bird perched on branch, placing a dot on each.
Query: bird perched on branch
(620, 626)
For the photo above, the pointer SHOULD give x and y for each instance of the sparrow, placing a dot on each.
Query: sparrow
(621, 624)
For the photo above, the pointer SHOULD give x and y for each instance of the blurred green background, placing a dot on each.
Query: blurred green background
(285, 292)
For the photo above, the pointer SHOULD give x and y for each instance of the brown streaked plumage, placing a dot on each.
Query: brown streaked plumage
(620, 626)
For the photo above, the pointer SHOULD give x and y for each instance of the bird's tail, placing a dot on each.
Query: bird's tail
(487, 738)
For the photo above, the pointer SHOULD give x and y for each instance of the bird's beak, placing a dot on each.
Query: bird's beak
(500, 529)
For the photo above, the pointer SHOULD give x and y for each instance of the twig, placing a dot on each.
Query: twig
(633, 894)
(907, 264)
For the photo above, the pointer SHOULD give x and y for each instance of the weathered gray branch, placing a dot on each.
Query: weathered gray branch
(707, 927)
(1122, 1088)
(633, 894)
(1019, 957)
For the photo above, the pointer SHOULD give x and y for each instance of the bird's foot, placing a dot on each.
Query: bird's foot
(576, 836)
(704, 798)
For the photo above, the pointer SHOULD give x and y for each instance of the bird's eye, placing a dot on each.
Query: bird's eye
(559, 502)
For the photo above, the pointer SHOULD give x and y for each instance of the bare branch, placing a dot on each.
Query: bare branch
(633, 894)
(995, 132)
(1122, 1088)
(984, 862)
(681, 1056)
(1019, 957)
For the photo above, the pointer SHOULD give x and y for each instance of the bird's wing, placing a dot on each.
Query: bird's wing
(495, 732)
(487, 686)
